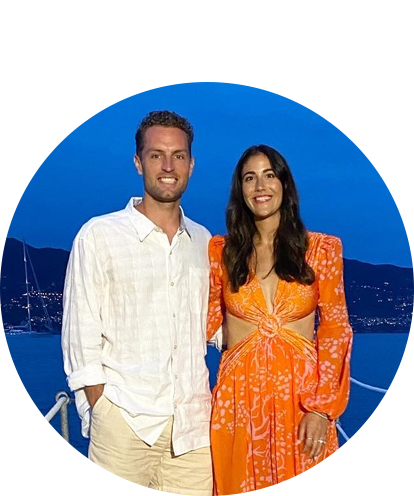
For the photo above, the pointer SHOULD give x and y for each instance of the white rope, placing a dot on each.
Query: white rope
(80, 489)
(367, 386)
(18, 447)
(372, 464)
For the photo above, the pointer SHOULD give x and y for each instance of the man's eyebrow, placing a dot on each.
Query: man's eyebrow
(151, 150)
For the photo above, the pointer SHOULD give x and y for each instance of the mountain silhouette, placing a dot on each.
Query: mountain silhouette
(379, 297)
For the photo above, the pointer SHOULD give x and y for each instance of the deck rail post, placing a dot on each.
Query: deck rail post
(67, 465)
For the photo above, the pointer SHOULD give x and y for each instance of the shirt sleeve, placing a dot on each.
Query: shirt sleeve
(334, 334)
(216, 307)
(82, 323)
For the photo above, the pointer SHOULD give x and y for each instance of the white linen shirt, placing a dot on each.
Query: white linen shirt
(134, 319)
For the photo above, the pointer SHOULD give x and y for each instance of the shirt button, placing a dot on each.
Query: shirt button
(175, 405)
(170, 252)
(175, 347)
(171, 283)
(174, 315)
(176, 376)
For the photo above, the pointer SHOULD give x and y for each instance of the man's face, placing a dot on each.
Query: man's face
(165, 163)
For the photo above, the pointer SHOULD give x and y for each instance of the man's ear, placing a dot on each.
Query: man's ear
(138, 165)
(192, 164)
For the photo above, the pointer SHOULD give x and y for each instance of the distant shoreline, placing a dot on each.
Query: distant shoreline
(384, 331)
(397, 331)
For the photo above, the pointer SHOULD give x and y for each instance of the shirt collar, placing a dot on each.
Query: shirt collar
(144, 226)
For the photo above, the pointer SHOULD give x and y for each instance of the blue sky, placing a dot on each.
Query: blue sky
(91, 172)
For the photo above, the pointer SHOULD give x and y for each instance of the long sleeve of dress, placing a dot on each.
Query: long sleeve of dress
(334, 334)
(216, 307)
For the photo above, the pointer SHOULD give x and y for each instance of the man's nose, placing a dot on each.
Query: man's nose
(168, 164)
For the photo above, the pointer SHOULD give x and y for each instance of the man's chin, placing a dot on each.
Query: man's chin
(169, 200)
(167, 197)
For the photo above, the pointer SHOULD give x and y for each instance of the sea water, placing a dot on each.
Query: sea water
(31, 374)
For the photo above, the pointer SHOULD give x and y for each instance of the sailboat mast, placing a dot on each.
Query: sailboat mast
(27, 287)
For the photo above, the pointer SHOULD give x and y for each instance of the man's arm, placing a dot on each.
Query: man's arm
(82, 323)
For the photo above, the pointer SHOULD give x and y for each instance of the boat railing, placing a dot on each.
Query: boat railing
(357, 450)
(63, 400)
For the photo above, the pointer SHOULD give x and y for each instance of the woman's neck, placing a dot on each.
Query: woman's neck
(266, 230)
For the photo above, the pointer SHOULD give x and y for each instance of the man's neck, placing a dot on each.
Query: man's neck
(165, 215)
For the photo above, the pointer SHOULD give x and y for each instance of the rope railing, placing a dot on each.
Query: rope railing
(391, 392)
(18, 447)
(62, 400)
(372, 464)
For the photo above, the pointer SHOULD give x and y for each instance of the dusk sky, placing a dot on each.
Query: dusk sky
(91, 172)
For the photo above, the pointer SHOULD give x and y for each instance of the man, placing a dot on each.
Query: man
(134, 319)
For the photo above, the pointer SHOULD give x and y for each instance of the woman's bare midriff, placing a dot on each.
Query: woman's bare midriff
(235, 329)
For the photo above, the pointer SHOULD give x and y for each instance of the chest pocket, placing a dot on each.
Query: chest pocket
(198, 289)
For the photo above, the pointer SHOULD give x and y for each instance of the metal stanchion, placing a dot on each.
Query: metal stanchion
(67, 466)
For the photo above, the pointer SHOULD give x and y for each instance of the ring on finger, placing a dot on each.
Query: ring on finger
(321, 441)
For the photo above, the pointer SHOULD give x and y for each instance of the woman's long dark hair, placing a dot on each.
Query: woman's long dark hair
(291, 240)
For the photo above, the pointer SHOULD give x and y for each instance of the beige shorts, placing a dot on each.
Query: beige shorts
(115, 447)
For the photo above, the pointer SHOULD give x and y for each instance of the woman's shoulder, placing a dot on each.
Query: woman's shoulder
(216, 245)
(320, 243)
(322, 238)
(217, 242)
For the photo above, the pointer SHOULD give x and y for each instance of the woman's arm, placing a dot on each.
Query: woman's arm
(334, 334)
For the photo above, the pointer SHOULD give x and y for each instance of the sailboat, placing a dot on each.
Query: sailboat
(47, 328)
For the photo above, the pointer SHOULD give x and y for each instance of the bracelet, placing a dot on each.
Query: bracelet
(322, 415)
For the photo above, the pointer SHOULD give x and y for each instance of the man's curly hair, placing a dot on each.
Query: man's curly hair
(162, 118)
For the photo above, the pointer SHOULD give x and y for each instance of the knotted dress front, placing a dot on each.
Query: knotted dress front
(270, 379)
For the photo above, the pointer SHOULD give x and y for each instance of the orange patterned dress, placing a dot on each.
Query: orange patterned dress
(268, 381)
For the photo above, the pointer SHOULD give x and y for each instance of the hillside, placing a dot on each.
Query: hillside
(379, 297)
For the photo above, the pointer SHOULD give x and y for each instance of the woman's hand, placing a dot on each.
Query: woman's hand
(312, 432)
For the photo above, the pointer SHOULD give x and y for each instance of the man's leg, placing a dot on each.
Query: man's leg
(115, 447)
(190, 473)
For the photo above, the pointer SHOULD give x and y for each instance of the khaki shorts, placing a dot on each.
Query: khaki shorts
(115, 447)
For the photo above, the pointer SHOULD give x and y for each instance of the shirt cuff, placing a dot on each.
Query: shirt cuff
(90, 375)
(84, 411)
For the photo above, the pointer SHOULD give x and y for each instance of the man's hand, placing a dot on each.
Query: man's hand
(93, 393)
(312, 432)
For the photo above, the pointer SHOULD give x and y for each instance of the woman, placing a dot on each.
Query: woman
(278, 390)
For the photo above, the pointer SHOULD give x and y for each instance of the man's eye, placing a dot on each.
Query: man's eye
(179, 156)
(155, 155)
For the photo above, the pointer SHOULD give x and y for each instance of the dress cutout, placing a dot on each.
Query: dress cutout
(270, 379)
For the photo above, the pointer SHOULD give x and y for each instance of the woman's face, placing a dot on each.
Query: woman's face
(262, 190)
